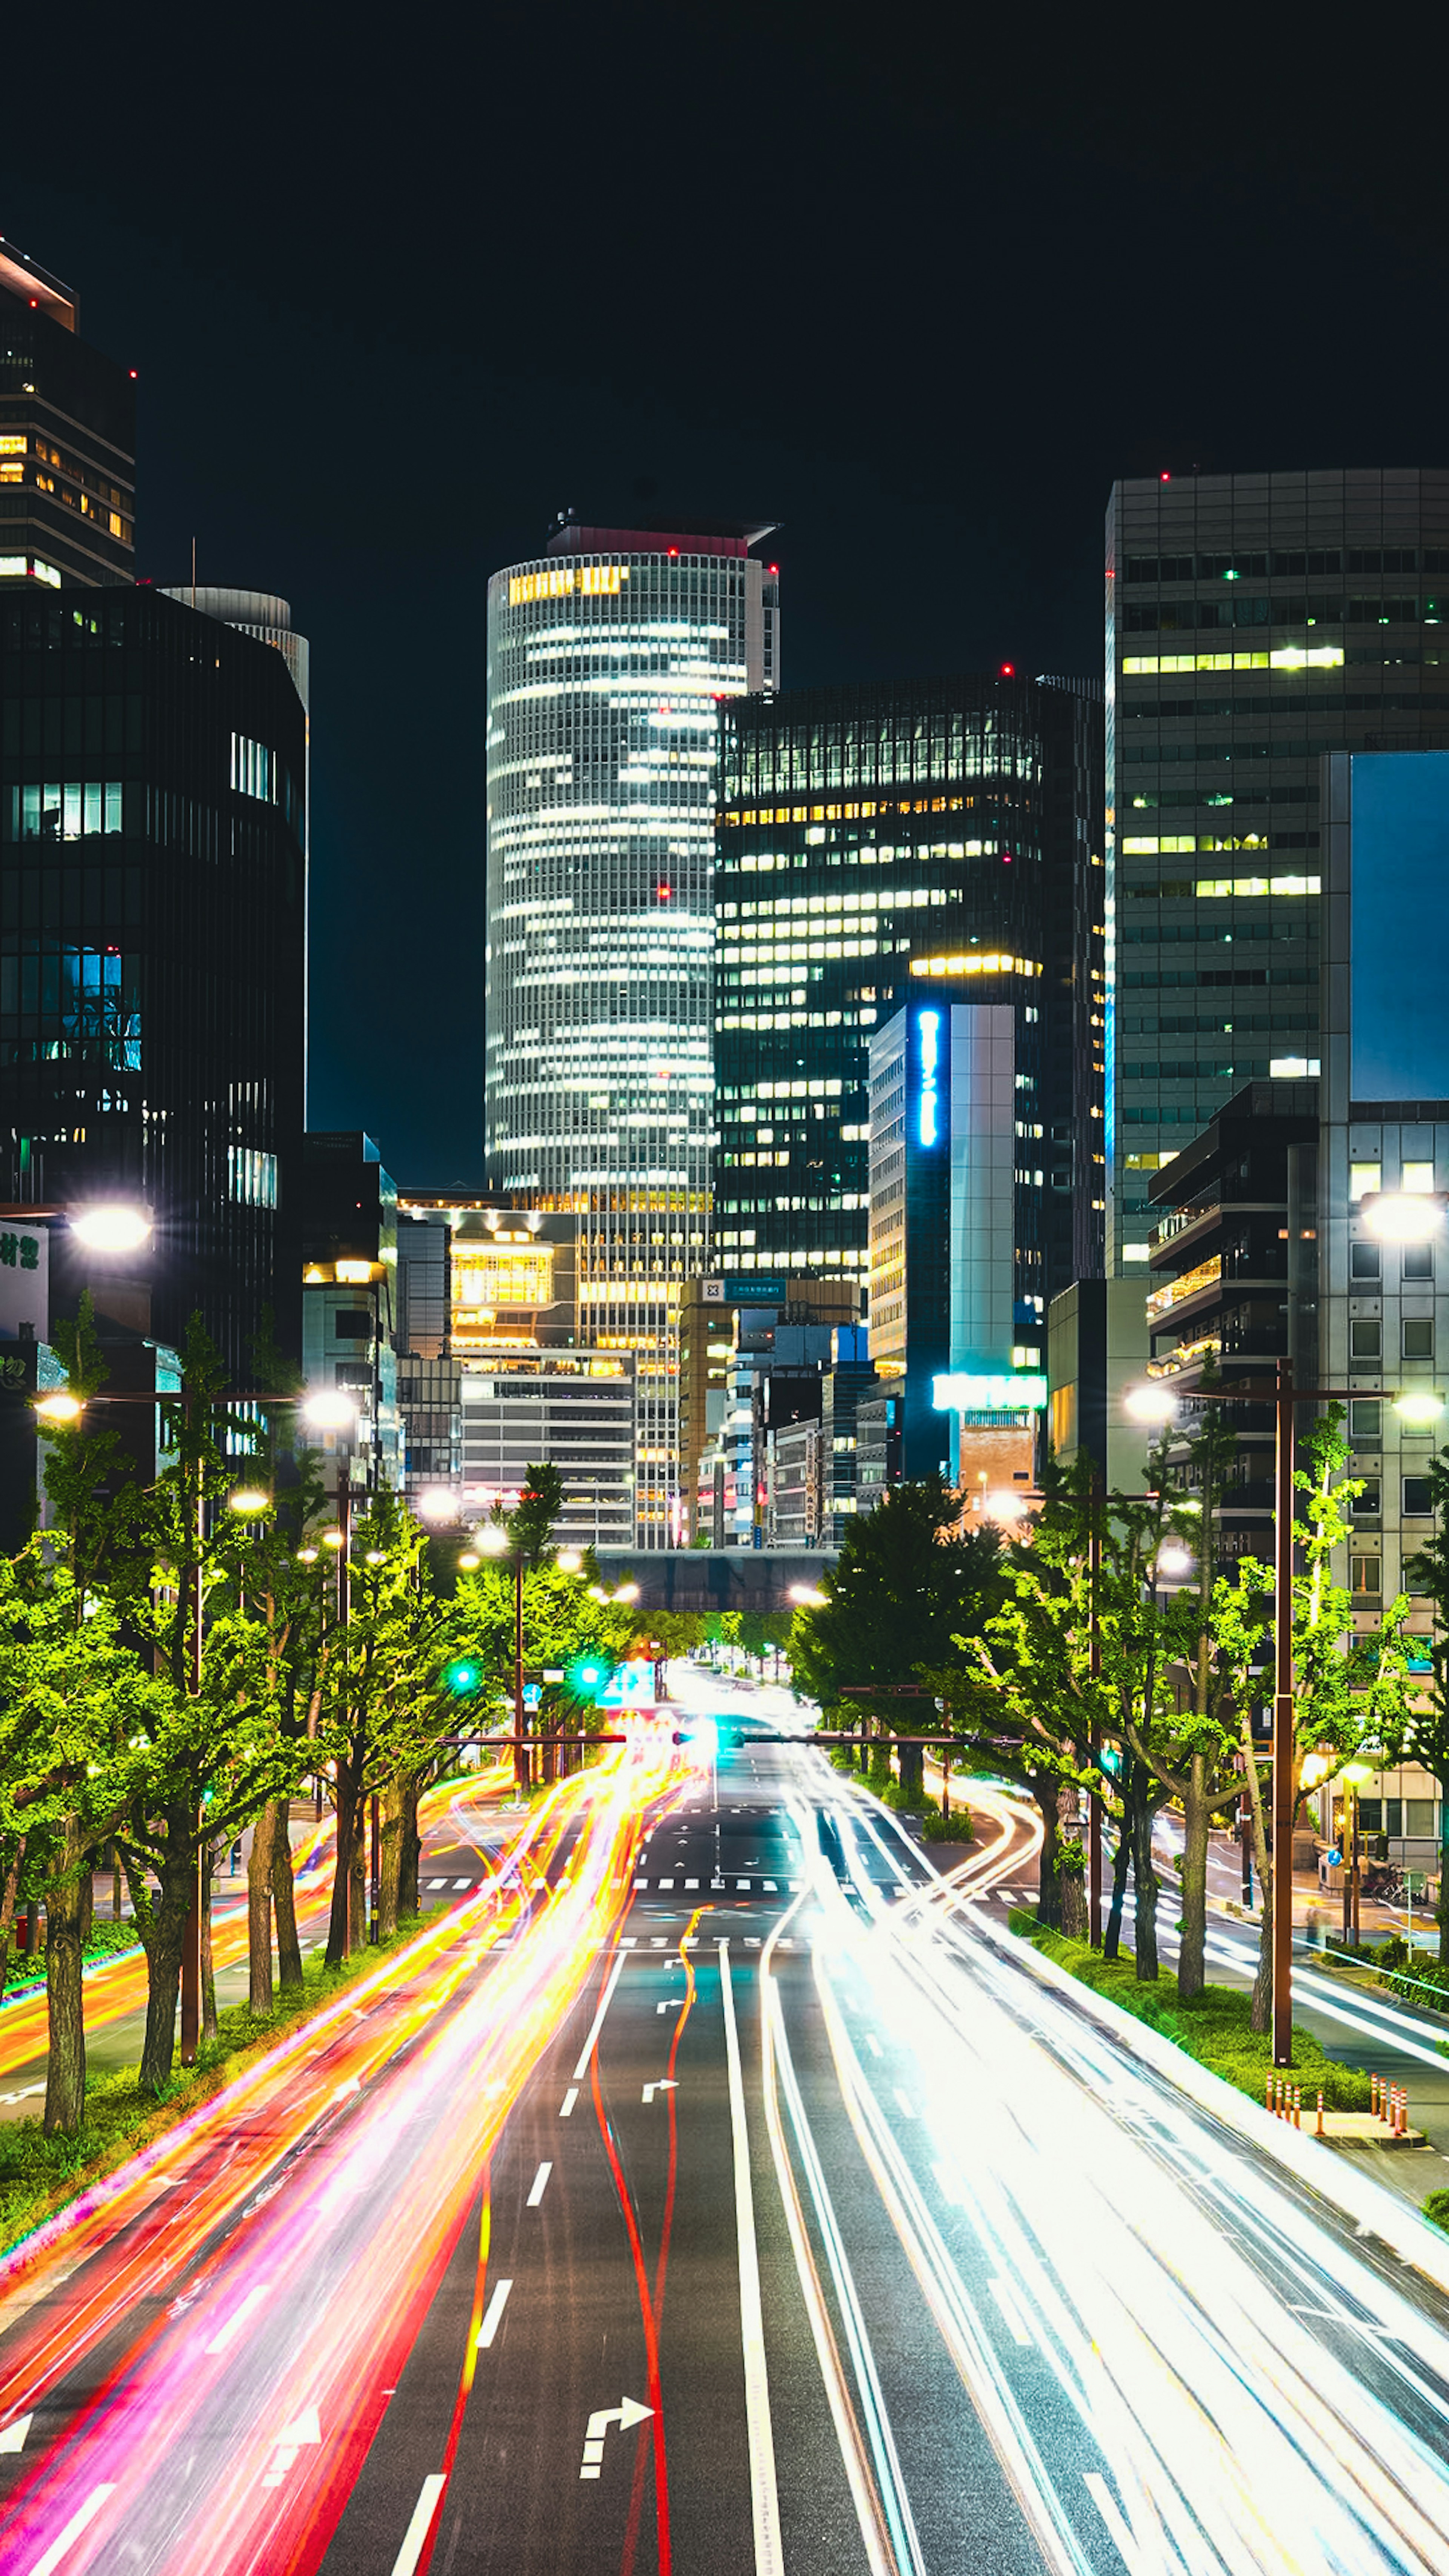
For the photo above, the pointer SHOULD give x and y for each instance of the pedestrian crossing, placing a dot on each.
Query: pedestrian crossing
(741, 1886)
(432, 1885)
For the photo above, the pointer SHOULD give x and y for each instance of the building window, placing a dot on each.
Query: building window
(252, 1176)
(1418, 1337)
(1365, 1338)
(253, 770)
(1365, 1574)
(1365, 1261)
(1365, 1506)
(352, 1324)
(1418, 1262)
(1418, 1177)
(65, 809)
(1365, 1418)
(1418, 1500)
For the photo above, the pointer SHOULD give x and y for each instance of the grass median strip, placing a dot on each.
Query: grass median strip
(39, 2175)
(1212, 2027)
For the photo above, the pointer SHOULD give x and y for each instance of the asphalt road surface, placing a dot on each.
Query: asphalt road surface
(717, 2194)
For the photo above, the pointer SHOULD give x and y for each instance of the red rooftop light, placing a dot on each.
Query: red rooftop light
(1008, 670)
(664, 892)
(1164, 478)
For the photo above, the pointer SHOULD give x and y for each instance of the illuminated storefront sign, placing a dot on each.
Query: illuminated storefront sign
(1018, 1394)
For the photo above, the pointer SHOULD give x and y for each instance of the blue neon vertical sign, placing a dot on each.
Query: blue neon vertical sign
(930, 1077)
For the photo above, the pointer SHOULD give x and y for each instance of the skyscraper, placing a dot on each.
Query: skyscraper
(865, 835)
(1254, 623)
(67, 439)
(607, 656)
(152, 909)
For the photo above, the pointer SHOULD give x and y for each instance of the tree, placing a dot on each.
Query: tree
(1426, 1728)
(77, 1713)
(904, 1587)
(1352, 1692)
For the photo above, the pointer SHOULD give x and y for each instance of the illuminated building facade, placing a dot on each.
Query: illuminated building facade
(1254, 623)
(957, 1215)
(350, 1301)
(868, 837)
(67, 440)
(152, 940)
(606, 659)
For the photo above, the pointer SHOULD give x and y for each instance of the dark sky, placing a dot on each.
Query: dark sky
(919, 284)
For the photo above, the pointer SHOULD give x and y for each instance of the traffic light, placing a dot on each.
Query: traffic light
(587, 1676)
(461, 1676)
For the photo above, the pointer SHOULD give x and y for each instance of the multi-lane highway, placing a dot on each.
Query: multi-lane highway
(716, 2191)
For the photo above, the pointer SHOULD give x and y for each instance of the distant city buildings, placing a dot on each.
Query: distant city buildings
(1255, 623)
(67, 440)
(349, 1302)
(867, 837)
(607, 656)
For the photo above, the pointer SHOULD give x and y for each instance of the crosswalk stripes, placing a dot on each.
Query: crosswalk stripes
(743, 1886)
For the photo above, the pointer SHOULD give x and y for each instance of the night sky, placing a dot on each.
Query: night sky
(400, 288)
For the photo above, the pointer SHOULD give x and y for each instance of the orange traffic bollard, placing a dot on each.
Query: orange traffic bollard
(1318, 2132)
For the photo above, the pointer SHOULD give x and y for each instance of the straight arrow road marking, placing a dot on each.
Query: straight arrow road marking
(540, 2185)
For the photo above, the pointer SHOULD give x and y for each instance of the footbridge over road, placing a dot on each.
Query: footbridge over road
(706, 1580)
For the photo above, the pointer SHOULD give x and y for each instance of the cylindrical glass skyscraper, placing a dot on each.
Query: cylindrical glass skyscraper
(607, 658)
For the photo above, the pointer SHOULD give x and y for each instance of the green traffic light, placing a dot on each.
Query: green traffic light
(461, 1677)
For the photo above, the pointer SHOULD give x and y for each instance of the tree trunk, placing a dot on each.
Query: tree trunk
(357, 1909)
(410, 1857)
(284, 1897)
(911, 1759)
(1072, 1881)
(1192, 1955)
(1049, 1884)
(164, 1940)
(1144, 1874)
(259, 1909)
(1121, 1860)
(65, 2072)
(210, 2028)
(390, 1863)
(7, 1910)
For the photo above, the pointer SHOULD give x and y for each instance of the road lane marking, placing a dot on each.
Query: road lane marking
(625, 2416)
(80, 2521)
(597, 2024)
(907, 2106)
(236, 2320)
(1115, 2520)
(691, 1882)
(873, 2044)
(566, 2106)
(414, 2538)
(1015, 2321)
(540, 2185)
(764, 2492)
(663, 1883)
(462, 1882)
(493, 2313)
(13, 2437)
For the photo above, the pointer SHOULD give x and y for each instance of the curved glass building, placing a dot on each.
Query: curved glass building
(607, 658)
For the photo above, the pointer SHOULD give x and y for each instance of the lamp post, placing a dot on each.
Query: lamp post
(331, 1411)
(497, 1541)
(1157, 1402)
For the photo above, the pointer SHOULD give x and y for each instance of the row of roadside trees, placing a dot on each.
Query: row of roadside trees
(175, 1674)
(1062, 1664)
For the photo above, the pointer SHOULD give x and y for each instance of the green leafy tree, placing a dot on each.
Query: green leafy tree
(1425, 1733)
(1353, 1692)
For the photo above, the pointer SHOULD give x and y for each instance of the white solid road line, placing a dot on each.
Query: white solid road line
(236, 2320)
(1015, 2321)
(540, 2185)
(493, 2314)
(764, 2492)
(597, 2024)
(906, 2105)
(80, 2521)
(1115, 2520)
(405, 2563)
(566, 2106)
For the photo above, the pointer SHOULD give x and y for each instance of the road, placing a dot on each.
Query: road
(726, 2194)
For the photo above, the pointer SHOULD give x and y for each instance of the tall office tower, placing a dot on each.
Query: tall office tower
(152, 910)
(606, 659)
(1254, 622)
(866, 836)
(255, 612)
(67, 439)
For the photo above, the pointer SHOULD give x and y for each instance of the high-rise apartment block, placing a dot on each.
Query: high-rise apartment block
(152, 940)
(1255, 622)
(67, 439)
(607, 657)
(869, 836)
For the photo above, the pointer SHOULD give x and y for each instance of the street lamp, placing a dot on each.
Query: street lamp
(808, 1596)
(1156, 1403)
(111, 1226)
(247, 1502)
(568, 1560)
(1402, 1216)
(60, 1407)
(469, 1561)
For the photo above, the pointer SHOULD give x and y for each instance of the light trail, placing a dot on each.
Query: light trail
(275, 2423)
(1250, 2394)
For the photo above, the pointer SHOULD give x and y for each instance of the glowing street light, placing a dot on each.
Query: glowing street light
(1173, 1560)
(494, 1541)
(111, 1227)
(808, 1597)
(1150, 1403)
(307, 1555)
(569, 1560)
(332, 1538)
(248, 1501)
(469, 1561)
(327, 1411)
(436, 1504)
(60, 1407)
(1420, 1411)
(1403, 1216)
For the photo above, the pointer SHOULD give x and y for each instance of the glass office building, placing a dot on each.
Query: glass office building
(1255, 622)
(866, 837)
(607, 657)
(67, 439)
